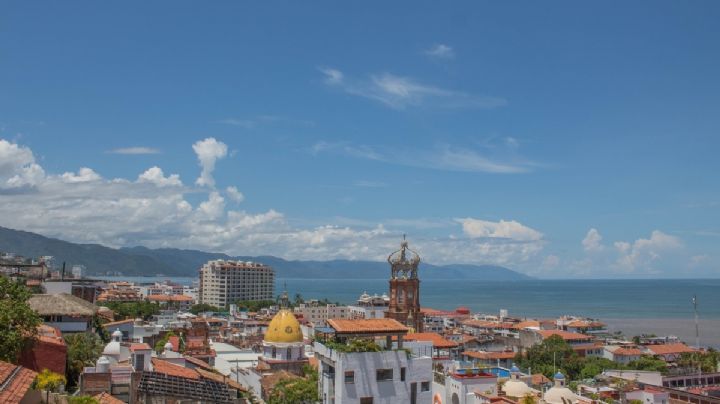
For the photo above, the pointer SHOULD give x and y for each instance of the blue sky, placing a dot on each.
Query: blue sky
(489, 132)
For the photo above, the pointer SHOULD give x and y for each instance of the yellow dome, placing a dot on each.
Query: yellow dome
(284, 328)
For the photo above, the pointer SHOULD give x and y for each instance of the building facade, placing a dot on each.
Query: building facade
(225, 282)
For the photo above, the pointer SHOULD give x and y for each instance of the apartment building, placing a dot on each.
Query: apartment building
(225, 282)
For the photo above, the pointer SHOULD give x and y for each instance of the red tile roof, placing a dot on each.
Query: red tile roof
(139, 347)
(198, 363)
(373, 325)
(15, 381)
(437, 340)
(110, 324)
(175, 341)
(169, 298)
(627, 352)
(105, 398)
(667, 349)
(490, 355)
(526, 324)
(171, 369)
(566, 335)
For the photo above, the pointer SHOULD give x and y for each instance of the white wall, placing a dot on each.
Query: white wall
(365, 364)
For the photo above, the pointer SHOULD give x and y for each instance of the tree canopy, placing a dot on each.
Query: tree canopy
(84, 349)
(296, 391)
(18, 322)
(143, 309)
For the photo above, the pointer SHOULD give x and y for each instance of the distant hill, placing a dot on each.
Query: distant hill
(143, 261)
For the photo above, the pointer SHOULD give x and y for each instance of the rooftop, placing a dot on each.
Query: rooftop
(169, 298)
(665, 349)
(367, 326)
(566, 335)
(15, 381)
(489, 355)
(437, 340)
(171, 369)
(61, 304)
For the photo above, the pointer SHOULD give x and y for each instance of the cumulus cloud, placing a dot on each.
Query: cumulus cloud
(153, 211)
(592, 241)
(513, 230)
(83, 175)
(643, 252)
(234, 194)
(208, 151)
(440, 51)
(401, 92)
(18, 167)
(155, 175)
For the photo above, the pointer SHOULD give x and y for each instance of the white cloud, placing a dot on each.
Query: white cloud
(243, 123)
(234, 194)
(513, 230)
(155, 175)
(18, 167)
(332, 76)
(83, 175)
(593, 241)
(441, 157)
(642, 253)
(208, 151)
(153, 211)
(135, 150)
(440, 51)
(400, 92)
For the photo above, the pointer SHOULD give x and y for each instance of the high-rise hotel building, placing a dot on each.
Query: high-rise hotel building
(225, 282)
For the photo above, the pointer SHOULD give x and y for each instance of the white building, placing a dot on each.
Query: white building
(318, 314)
(368, 306)
(371, 377)
(649, 395)
(78, 271)
(225, 282)
(462, 384)
(621, 354)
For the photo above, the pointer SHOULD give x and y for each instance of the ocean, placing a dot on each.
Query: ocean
(658, 306)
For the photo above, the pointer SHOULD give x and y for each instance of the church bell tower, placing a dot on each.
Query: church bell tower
(405, 287)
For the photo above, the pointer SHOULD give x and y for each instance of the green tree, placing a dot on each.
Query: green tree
(649, 363)
(296, 391)
(202, 307)
(160, 345)
(143, 309)
(83, 349)
(18, 322)
(82, 400)
(552, 350)
(594, 366)
(48, 381)
(255, 305)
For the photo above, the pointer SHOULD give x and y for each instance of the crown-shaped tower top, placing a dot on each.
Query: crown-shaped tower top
(404, 262)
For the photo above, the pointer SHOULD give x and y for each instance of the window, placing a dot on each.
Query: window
(384, 374)
(350, 376)
(366, 400)
(425, 386)
(402, 374)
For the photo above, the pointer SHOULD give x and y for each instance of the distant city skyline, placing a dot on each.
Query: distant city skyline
(560, 140)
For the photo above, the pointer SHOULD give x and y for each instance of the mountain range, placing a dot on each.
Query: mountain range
(143, 261)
